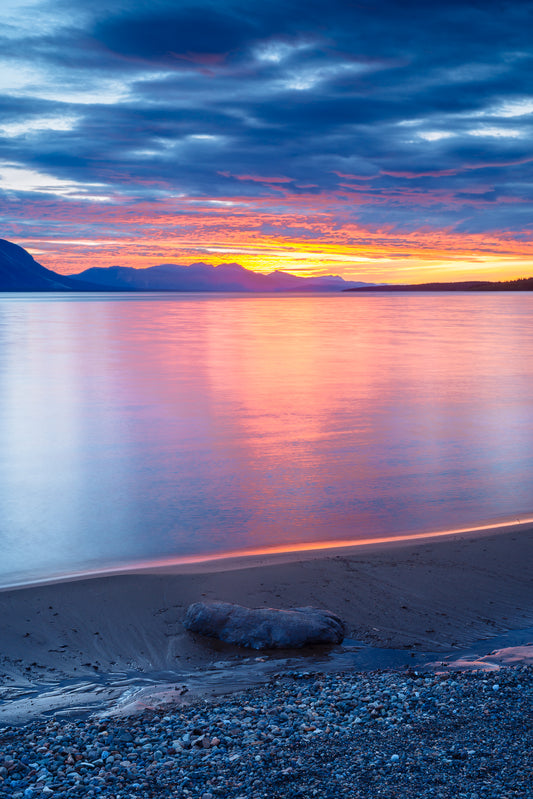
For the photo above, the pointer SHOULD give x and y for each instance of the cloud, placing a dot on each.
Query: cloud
(256, 178)
(16, 178)
(404, 115)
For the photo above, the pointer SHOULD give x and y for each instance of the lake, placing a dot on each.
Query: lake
(143, 427)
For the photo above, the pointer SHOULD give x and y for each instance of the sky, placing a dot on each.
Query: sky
(382, 141)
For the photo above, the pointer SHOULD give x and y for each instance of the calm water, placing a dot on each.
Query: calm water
(138, 427)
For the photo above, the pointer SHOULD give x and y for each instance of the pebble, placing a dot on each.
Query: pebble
(331, 736)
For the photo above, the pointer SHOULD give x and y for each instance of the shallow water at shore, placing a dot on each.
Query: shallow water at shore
(119, 694)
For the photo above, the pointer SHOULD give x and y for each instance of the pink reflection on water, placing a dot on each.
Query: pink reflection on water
(184, 427)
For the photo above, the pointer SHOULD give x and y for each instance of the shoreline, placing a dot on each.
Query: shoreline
(117, 640)
(266, 556)
(437, 595)
(478, 582)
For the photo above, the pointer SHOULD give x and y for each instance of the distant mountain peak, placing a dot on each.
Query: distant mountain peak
(230, 277)
(19, 271)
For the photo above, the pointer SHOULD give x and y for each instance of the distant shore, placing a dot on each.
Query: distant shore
(521, 284)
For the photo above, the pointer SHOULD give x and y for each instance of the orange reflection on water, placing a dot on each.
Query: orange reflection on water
(317, 413)
(183, 428)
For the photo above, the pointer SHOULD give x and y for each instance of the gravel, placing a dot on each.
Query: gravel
(395, 735)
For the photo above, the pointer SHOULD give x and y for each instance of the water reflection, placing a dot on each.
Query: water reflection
(157, 426)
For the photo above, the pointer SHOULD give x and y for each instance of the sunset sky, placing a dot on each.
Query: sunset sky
(381, 141)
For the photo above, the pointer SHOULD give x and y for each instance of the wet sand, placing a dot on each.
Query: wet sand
(427, 595)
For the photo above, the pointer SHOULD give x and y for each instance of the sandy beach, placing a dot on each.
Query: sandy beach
(298, 731)
(427, 595)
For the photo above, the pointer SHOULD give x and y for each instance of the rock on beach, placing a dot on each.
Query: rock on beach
(264, 628)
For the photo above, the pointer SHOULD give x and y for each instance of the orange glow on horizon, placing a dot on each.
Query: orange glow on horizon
(307, 236)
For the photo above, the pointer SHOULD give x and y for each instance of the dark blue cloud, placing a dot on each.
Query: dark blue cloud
(162, 36)
(188, 96)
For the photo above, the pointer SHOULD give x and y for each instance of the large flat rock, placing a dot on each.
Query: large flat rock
(264, 628)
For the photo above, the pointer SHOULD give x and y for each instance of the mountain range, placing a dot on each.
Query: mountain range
(19, 271)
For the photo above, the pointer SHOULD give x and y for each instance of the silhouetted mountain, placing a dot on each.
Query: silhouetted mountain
(20, 272)
(205, 277)
(521, 284)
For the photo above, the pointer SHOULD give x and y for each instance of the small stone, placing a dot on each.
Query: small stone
(394, 758)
